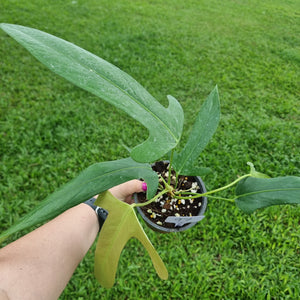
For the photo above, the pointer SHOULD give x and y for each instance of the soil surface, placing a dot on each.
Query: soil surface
(166, 206)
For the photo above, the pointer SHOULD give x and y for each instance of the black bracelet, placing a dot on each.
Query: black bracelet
(101, 212)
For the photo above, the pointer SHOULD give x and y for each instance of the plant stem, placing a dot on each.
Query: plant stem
(191, 196)
(196, 195)
(221, 198)
(164, 182)
(176, 181)
(227, 186)
(177, 195)
(151, 200)
(170, 167)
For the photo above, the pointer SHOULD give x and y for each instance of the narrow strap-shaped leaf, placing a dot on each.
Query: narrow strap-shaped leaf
(253, 193)
(95, 179)
(105, 80)
(203, 129)
(120, 225)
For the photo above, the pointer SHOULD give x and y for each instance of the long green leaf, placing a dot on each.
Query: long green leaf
(95, 179)
(120, 226)
(203, 129)
(105, 80)
(253, 193)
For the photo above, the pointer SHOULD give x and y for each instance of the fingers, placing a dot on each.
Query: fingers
(133, 186)
(125, 190)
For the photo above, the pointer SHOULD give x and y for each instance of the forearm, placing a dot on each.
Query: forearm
(39, 265)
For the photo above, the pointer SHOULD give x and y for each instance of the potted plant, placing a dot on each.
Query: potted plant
(176, 210)
(253, 190)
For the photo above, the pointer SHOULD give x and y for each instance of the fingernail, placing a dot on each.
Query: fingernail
(144, 186)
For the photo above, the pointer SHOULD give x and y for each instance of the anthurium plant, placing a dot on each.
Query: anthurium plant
(164, 124)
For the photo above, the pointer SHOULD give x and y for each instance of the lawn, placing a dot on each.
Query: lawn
(50, 130)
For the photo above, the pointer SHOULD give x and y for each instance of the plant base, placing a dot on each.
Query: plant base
(156, 213)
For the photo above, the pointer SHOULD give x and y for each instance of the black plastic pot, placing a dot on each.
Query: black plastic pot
(163, 229)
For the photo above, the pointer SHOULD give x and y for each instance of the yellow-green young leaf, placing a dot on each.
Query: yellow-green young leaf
(120, 225)
(105, 80)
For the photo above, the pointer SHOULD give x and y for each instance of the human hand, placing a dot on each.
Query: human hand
(125, 190)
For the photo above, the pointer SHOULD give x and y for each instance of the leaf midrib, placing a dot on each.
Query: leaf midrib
(268, 191)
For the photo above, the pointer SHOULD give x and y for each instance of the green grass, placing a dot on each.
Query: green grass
(51, 130)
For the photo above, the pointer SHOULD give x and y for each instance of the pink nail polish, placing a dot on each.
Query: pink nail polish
(144, 186)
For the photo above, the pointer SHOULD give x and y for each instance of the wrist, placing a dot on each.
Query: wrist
(100, 212)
